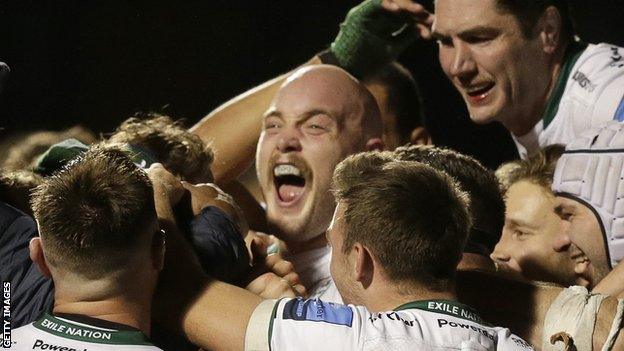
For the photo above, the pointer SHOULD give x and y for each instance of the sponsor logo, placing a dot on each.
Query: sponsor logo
(583, 81)
(446, 323)
(6, 315)
(318, 311)
(616, 59)
(393, 316)
(75, 331)
(41, 345)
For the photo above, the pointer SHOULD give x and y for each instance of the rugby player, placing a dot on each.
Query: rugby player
(409, 303)
(319, 116)
(588, 183)
(101, 244)
(518, 63)
(531, 223)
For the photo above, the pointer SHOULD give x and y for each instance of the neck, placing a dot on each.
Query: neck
(297, 247)
(389, 299)
(530, 116)
(118, 309)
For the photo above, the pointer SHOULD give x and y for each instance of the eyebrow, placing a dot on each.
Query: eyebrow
(478, 30)
(272, 113)
(520, 223)
(303, 117)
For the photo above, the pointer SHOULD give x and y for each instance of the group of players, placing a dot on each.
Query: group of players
(353, 247)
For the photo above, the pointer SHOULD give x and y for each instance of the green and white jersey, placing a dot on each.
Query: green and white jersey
(297, 324)
(62, 334)
(588, 92)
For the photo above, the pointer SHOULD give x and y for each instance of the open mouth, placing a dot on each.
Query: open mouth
(289, 182)
(479, 94)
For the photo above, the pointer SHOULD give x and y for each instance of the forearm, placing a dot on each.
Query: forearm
(234, 128)
(517, 305)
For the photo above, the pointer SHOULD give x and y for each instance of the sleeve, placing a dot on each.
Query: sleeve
(297, 324)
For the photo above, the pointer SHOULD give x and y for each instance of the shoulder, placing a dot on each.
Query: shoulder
(594, 89)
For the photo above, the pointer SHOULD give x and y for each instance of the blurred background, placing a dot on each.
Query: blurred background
(96, 63)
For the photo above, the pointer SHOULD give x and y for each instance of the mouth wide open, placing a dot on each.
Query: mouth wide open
(290, 183)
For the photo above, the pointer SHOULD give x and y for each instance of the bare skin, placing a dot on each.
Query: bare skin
(245, 111)
(485, 55)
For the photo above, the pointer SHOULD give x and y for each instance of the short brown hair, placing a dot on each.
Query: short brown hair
(92, 212)
(486, 201)
(528, 12)
(413, 218)
(538, 169)
(180, 151)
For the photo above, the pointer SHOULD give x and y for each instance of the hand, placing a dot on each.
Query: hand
(263, 262)
(203, 195)
(423, 18)
(271, 286)
(258, 245)
(372, 36)
(165, 183)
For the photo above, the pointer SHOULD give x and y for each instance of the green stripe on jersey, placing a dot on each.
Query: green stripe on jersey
(68, 330)
(573, 52)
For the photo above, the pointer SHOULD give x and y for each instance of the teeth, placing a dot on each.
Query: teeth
(286, 170)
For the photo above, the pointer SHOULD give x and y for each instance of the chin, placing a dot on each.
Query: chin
(482, 115)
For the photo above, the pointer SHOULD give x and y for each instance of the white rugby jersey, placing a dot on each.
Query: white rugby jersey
(56, 333)
(297, 324)
(588, 92)
(313, 269)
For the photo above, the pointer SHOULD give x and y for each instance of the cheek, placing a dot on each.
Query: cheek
(263, 154)
(445, 56)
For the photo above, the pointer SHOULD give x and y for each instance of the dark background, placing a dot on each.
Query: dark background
(98, 62)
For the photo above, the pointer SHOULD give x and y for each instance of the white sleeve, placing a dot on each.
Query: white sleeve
(297, 324)
(257, 333)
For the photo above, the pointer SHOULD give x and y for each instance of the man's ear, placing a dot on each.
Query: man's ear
(420, 136)
(364, 267)
(550, 27)
(375, 144)
(35, 247)
(159, 247)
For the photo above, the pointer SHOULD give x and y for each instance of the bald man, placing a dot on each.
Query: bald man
(318, 117)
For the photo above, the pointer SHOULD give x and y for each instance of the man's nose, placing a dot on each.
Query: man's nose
(562, 239)
(289, 140)
(463, 66)
(501, 250)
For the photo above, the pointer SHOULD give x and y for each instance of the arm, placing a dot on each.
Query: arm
(517, 305)
(522, 307)
(212, 314)
(373, 34)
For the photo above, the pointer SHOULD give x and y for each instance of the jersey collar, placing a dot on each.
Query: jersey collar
(69, 329)
(572, 54)
(448, 307)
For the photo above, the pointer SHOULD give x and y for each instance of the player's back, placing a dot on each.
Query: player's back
(57, 333)
(421, 325)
